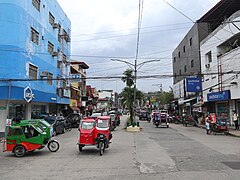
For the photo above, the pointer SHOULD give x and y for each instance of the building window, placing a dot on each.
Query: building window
(64, 58)
(34, 36)
(174, 59)
(51, 19)
(192, 63)
(49, 78)
(185, 68)
(50, 47)
(59, 63)
(184, 49)
(179, 54)
(208, 57)
(33, 70)
(36, 4)
(190, 41)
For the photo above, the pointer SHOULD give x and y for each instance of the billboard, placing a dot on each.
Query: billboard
(194, 84)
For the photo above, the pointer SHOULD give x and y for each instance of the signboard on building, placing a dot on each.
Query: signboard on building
(194, 84)
(219, 96)
(28, 94)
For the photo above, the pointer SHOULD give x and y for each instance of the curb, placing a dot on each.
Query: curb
(228, 133)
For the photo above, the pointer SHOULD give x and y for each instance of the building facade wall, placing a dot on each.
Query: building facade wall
(19, 51)
(222, 68)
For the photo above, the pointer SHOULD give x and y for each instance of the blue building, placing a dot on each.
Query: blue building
(34, 59)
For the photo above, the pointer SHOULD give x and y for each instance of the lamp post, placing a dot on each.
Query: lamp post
(135, 67)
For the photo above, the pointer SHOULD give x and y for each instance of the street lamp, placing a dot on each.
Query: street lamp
(135, 67)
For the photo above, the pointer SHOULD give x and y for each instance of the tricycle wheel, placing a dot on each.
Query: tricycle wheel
(80, 148)
(53, 146)
(101, 148)
(19, 151)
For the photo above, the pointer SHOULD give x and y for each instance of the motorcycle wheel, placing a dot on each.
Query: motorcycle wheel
(80, 148)
(53, 146)
(157, 125)
(19, 151)
(101, 148)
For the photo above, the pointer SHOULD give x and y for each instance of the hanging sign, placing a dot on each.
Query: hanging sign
(194, 84)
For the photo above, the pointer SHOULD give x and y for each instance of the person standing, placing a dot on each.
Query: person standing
(235, 120)
(207, 123)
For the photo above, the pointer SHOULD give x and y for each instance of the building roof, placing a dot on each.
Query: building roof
(221, 11)
(82, 64)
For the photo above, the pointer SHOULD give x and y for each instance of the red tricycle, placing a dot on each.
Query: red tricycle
(95, 132)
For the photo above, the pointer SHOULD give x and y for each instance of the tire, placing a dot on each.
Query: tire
(63, 131)
(80, 148)
(19, 151)
(53, 146)
(157, 125)
(101, 148)
(167, 126)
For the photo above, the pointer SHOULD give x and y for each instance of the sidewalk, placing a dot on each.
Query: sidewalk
(231, 129)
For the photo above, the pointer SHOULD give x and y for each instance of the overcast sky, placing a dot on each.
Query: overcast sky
(105, 29)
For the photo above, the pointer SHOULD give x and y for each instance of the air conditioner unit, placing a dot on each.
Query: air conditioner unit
(207, 65)
(44, 74)
(55, 25)
(54, 53)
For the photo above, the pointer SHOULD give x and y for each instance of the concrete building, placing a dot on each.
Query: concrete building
(220, 54)
(34, 54)
(78, 85)
(187, 55)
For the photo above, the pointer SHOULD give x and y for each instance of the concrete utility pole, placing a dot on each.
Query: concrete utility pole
(160, 86)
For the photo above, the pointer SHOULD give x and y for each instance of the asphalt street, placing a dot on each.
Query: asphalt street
(154, 153)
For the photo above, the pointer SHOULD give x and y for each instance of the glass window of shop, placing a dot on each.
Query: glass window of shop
(223, 111)
(38, 111)
(16, 111)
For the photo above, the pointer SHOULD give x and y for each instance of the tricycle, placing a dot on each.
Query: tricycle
(219, 127)
(160, 119)
(95, 132)
(29, 135)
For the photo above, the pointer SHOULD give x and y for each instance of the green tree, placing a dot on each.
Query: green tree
(127, 93)
(128, 77)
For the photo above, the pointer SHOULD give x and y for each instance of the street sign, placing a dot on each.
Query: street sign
(194, 84)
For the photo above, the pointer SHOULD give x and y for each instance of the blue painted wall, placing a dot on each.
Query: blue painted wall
(17, 50)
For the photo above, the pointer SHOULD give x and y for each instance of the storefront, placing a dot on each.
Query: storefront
(220, 101)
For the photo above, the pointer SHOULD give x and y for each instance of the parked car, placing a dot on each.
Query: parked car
(57, 122)
(74, 119)
(95, 115)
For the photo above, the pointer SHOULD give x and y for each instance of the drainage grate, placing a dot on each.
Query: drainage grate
(232, 164)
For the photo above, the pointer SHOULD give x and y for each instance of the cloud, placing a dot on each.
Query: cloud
(108, 28)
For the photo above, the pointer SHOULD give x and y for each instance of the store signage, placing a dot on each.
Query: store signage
(194, 84)
(28, 94)
(218, 96)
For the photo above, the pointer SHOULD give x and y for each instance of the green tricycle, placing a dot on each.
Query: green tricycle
(29, 135)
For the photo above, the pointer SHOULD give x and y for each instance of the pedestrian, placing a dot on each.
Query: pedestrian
(235, 120)
(207, 123)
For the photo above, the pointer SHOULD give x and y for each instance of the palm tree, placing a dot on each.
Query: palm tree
(127, 93)
(128, 77)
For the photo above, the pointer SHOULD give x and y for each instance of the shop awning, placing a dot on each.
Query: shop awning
(181, 101)
(75, 108)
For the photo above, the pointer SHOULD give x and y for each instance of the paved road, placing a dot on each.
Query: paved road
(154, 153)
